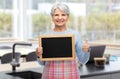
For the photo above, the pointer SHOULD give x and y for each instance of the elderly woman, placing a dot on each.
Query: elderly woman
(64, 69)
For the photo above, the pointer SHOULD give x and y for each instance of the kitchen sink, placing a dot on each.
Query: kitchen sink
(26, 74)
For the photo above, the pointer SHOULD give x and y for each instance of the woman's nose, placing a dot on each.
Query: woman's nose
(59, 17)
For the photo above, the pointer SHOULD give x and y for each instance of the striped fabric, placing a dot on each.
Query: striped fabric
(61, 70)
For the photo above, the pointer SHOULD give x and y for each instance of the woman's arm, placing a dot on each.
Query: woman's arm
(40, 62)
(83, 57)
(39, 52)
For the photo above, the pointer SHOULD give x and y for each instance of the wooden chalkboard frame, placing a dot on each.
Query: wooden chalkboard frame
(69, 40)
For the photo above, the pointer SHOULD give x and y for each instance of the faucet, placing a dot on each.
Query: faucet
(14, 63)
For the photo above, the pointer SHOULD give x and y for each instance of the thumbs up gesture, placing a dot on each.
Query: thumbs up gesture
(85, 46)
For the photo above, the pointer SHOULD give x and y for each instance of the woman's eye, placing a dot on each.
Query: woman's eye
(63, 14)
(56, 15)
(59, 14)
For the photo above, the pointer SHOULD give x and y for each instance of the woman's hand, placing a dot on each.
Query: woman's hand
(39, 51)
(85, 46)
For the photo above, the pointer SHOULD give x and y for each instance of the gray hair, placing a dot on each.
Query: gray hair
(62, 7)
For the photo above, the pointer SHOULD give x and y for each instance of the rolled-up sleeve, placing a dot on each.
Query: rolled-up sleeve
(83, 57)
(40, 62)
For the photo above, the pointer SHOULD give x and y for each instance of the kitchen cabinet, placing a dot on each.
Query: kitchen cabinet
(99, 77)
(115, 76)
(107, 76)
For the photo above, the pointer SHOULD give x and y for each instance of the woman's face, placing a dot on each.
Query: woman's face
(60, 18)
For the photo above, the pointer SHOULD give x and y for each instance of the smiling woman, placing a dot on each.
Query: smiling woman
(60, 15)
(62, 69)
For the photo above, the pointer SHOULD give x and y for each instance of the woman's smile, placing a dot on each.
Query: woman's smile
(60, 18)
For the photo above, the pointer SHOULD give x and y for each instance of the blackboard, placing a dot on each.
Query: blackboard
(57, 47)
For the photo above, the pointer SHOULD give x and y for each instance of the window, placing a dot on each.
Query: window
(27, 19)
(5, 18)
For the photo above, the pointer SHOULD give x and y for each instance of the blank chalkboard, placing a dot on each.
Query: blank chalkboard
(57, 47)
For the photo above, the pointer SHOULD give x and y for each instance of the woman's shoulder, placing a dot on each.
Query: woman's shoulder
(47, 32)
(73, 31)
(70, 31)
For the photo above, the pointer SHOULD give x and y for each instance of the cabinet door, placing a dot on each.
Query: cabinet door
(98, 77)
(115, 76)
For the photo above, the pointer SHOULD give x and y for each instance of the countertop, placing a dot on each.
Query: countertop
(85, 70)
(27, 66)
(91, 70)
